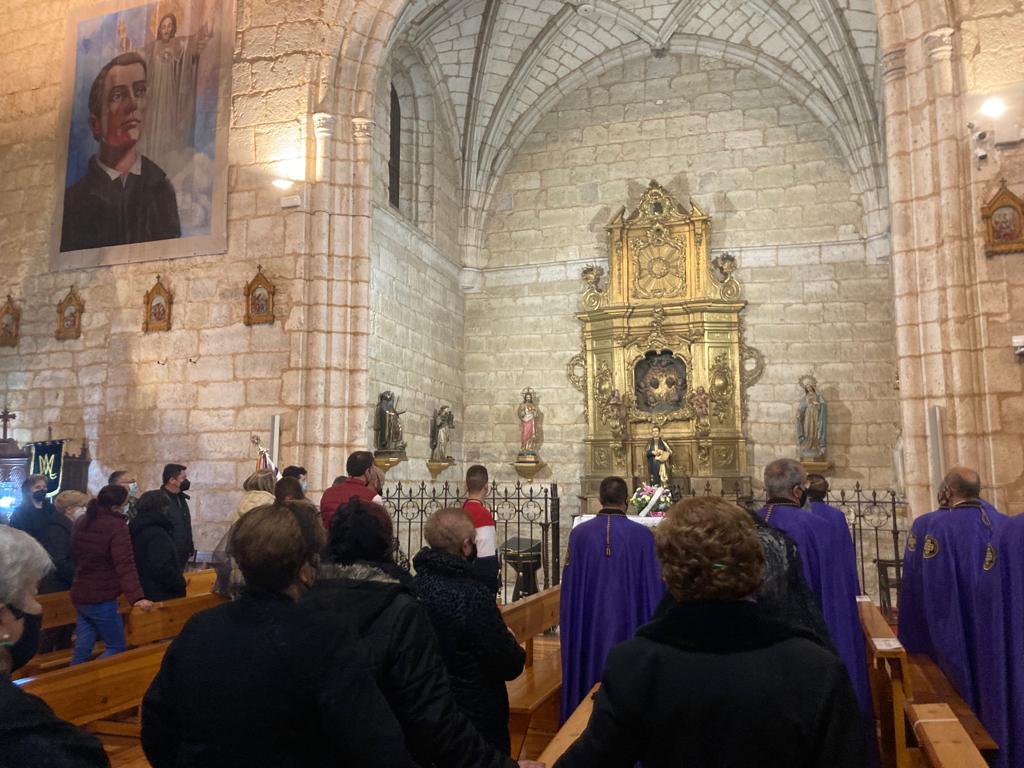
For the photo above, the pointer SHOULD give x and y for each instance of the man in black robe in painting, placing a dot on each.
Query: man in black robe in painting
(124, 197)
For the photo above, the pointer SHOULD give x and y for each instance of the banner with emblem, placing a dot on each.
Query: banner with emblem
(48, 461)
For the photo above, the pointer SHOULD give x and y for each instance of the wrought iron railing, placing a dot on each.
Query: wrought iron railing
(878, 522)
(522, 514)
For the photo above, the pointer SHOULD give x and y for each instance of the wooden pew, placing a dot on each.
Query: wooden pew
(541, 680)
(942, 737)
(571, 730)
(58, 611)
(141, 628)
(888, 678)
(898, 679)
(931, 686)
(91, 692)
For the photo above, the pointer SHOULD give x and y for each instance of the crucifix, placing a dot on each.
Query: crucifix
(6, 416)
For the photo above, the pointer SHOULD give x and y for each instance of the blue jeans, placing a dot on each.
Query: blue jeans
(102, 620)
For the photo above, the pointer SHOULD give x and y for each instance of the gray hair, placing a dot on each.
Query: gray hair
(23, 562)
(781, 475)
(447, 528)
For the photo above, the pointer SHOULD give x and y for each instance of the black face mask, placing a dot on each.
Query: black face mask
(27, 646)
(185, 485)
(39, 495)
(471, 557)
(801, 497)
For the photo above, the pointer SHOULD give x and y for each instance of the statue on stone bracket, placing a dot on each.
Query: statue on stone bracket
(528, 463)
(812, 418)
(388, 427)
(659, 456)
(441, 433)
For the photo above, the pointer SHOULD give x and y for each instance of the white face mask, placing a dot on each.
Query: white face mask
(133, 490)
(77, 513)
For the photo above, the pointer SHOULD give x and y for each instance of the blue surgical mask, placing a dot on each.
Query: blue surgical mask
(133, 490)
(302, 483)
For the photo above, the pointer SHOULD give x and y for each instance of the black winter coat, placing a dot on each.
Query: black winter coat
(479, 652)
(263, 682)
(395, 631)
(156, 558)
(52, 529)
(31, 735)
(721, 684)
(181, 521)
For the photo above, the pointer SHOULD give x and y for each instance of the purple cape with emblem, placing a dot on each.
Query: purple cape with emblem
(830, 567)
(938, 613)
(605, 598)
(999, 639)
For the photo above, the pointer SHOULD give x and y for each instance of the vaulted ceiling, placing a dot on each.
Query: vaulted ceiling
(498, 65)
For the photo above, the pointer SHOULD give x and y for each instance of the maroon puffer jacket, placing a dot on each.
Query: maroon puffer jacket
(104, 562)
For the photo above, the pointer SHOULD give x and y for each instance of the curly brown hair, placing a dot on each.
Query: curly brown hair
(709, 550)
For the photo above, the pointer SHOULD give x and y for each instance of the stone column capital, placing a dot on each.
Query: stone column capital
(324, 124)
(894, 63)
(939, 43)
(362, 129)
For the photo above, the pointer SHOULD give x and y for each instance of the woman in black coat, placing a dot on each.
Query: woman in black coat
(362, 586)
(43, 522)
(479, 651)
(30, 733)
(713, 680)
(264, 682)
(156, 557)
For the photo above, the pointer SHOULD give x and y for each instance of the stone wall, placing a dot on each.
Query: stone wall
(993, 60)
(195, 394)
(781, 200)
(416, 304)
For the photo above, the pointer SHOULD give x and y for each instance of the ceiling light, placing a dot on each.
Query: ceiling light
(283, 184)
(994, 107)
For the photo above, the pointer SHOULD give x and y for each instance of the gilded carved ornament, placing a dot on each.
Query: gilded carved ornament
(657, 339)
(721, 388)
(722, 270)
(594, 294)
(659, 264)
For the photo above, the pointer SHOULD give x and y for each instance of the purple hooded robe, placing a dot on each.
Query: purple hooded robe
(610, 586)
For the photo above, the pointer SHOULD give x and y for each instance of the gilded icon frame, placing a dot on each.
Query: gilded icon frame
(157, 308)
(69, 316)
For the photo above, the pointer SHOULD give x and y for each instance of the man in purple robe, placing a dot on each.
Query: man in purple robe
(610, 586)
(829, 565)
(1000, 612)
(913, 629)
(937, 610)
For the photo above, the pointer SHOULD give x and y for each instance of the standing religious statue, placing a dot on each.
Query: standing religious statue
(388, 425)
(658, 456)
(811, 420)
(441, 432)
(527, 413)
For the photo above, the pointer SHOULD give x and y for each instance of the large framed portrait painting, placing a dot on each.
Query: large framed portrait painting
(142, 172)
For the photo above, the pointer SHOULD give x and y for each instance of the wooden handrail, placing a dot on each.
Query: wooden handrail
(571, 730)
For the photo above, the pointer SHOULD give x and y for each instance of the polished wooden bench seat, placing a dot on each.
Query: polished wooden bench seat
(571, 730)
(541, 680)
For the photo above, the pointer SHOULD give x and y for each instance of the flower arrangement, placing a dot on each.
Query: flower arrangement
(651, 500)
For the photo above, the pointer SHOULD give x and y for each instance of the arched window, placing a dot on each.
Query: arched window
(395, 155)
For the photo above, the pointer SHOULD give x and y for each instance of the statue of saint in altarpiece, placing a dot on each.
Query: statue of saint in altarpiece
(663, 366)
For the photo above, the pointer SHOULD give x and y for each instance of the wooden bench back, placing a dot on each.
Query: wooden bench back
(943, 739)
(571, 730)
(58, 610)
(889, 679)
(166, 619)
(531, 616)
(92, 691)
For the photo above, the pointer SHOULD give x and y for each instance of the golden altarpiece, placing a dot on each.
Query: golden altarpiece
(662, 347)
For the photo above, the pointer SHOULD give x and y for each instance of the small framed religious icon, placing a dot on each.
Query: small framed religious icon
(10, 322)
(157, 308)
(259, 299)
(1004, 222)
(69, 316)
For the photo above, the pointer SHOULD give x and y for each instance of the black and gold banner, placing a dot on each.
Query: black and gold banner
(48, 460)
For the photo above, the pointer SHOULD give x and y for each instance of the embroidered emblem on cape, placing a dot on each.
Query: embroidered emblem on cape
(990, 558)
(931, 546)
(912, 542)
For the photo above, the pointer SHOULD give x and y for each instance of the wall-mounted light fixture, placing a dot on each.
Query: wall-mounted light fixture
(1018, 347)
(996, 118)
(283, 184)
